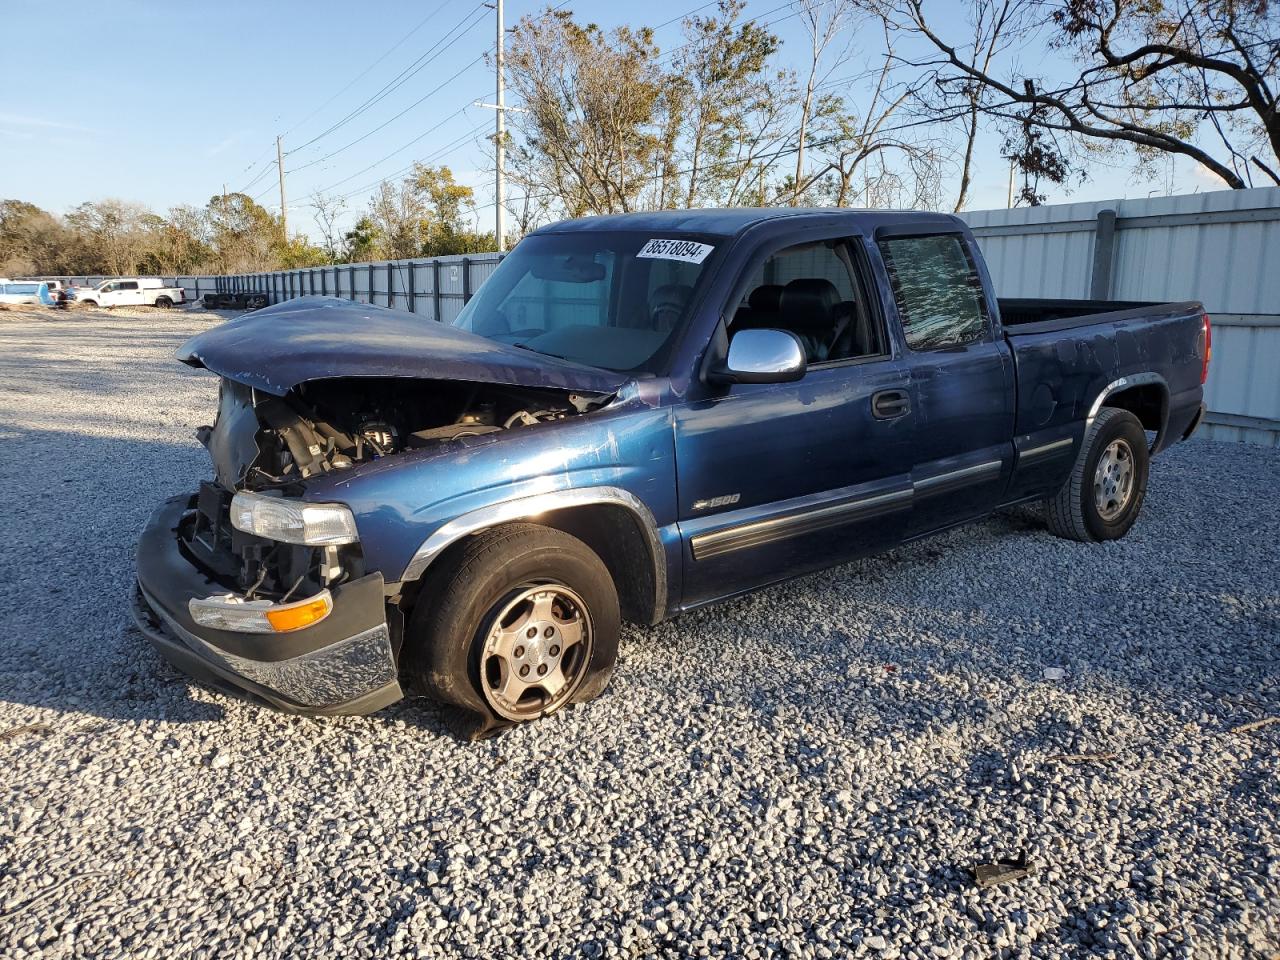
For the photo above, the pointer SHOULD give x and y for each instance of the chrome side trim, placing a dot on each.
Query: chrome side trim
(1115, 386)
(759, 532)
(1032, 453)
(942, 482)
(524, 508)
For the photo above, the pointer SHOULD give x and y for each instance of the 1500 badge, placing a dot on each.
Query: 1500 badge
(728, 500)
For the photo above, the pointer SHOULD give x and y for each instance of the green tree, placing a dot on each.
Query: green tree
(363, 242)
(596, 107)
(723, 91)
(445, 205)
(245, 237)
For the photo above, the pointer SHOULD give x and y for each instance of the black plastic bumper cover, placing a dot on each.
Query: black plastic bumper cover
(343, 665)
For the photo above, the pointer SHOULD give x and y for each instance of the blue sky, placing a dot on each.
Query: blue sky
(163, 103)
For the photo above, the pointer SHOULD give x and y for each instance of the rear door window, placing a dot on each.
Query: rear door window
(937, 289)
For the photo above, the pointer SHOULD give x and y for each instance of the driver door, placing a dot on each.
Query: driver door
(775, 479)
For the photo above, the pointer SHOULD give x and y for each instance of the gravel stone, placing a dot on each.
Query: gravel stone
(811, 770)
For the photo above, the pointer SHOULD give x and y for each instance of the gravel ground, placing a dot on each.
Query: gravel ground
(810, 771)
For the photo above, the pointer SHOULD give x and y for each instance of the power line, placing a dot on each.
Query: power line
(365, 72)
(436, 154)
(399, 149)
(391, 120)
(439, 47)
(756, 19)
(381, 93)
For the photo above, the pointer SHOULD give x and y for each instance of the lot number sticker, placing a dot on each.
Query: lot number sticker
(685, 250)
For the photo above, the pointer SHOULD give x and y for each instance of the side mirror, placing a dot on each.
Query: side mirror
(762, 356)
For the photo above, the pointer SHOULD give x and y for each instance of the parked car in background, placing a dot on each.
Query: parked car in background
(53, 285)
(633, 417)
(244, 300)
(26, 291)
(130, 292)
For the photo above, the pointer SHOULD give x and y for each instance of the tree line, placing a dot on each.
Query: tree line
(884, 106)
(422, 215)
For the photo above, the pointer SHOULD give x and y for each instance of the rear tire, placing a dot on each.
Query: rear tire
(1108, 483)
(513, 624)
(164, 303)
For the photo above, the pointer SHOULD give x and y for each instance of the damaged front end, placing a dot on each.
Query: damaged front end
(271, 446)
(268, 591)
(251, 583)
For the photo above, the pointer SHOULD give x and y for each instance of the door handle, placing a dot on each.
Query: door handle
(890, 404)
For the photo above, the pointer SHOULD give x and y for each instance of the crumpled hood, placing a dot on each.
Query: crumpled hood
(321, 338)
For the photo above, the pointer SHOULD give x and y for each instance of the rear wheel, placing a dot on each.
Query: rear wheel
(164, 303)
(514, 624)
(1108, 483)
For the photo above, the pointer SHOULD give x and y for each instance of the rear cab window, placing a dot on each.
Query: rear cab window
(937, 289)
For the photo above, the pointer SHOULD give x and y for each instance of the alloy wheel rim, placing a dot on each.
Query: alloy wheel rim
(1113, 480)
(536, 651)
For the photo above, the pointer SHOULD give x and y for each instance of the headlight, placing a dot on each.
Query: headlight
(293, 521)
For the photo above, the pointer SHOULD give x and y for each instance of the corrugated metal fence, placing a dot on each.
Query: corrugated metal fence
(1222, 248)
(436, 287)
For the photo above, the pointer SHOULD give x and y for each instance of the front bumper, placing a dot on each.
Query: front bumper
(343, 665)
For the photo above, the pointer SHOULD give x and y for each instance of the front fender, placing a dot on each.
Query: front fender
(410, 507)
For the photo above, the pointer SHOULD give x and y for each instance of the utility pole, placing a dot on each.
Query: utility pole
(284, 221)
(500, 176)
(1009, 200)
(500, 140)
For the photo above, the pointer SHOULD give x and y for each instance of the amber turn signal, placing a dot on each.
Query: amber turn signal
(298, 615)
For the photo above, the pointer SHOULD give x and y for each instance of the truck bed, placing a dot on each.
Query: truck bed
(1049, 315)
(1069, 354)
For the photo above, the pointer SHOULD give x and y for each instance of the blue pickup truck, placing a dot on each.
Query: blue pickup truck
(634, 416)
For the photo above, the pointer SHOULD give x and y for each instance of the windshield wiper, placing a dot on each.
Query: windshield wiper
(525, 346)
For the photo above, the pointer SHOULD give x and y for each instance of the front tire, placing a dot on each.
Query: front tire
(513, 624)
(1108, 483)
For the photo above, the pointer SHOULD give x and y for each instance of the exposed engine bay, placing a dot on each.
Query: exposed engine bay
(262, 441)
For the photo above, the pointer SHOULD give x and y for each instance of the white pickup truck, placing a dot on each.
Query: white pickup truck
(131, 292)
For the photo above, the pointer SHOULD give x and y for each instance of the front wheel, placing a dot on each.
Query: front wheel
(1108, 483)
(513, 624)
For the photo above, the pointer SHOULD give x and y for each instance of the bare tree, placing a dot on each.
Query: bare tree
(397, 212)
(849, 140)
(996, 23)
(327, 210)
(1195, 78)
(824, 22)
(121, 232)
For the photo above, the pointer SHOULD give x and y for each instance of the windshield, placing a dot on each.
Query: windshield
(611, 300)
